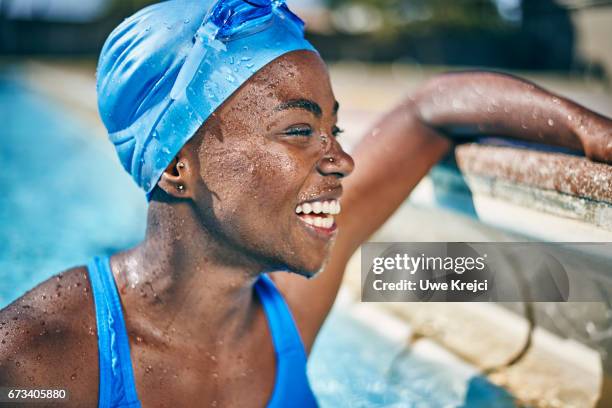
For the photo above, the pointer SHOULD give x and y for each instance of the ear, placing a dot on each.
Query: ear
(177, 180)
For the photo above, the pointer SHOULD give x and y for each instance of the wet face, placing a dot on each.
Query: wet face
(271, 168)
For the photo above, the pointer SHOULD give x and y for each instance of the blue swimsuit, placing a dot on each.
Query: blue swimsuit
(117, 386)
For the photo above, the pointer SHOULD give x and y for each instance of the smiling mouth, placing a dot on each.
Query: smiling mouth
(319, 215)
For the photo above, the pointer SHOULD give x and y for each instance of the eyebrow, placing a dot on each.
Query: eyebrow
(305, 104)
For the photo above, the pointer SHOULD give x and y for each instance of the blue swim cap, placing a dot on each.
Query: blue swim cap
(164, 70)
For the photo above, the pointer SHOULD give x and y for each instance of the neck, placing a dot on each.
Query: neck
(183, 270)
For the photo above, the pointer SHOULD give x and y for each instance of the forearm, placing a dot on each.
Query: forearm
(483, 103)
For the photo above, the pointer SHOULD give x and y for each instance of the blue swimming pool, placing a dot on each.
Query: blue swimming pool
(65, 198)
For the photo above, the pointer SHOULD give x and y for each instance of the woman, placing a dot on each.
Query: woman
(225, 116)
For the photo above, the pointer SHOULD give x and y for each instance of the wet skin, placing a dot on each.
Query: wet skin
(198, 336)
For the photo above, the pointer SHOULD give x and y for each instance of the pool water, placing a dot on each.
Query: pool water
(66, 198)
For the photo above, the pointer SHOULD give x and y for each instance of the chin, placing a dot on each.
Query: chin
(308, 269)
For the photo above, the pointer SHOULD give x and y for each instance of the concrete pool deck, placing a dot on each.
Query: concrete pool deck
(555, 371)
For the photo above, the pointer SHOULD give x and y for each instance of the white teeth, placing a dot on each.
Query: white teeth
(306, 208)
(319, 207)
(327, 222)
(321, 222)
(326, 207)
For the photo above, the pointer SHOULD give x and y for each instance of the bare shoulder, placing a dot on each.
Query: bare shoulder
(48, 339)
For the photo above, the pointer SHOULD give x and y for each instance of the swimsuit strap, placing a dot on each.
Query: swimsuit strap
(117, 385)
(291, 387)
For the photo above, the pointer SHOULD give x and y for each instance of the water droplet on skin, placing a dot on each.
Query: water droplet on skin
(39, 357)
(73, 377)
(138, 339)
(551, 122)
(17, 363)
(524, 126)
(148, 369)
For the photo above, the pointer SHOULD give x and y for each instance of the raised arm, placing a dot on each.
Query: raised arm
(405, 143)
(492, 104)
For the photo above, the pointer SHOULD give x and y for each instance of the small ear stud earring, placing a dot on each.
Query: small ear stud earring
(180, 165)
(180, 188)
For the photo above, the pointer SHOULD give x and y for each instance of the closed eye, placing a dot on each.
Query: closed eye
(299, 131)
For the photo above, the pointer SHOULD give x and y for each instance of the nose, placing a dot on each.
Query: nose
(335, 161)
